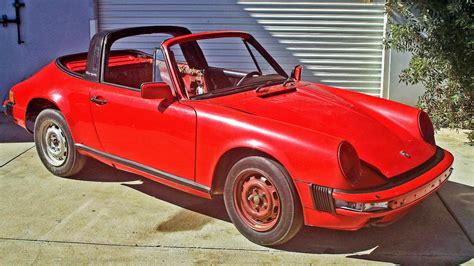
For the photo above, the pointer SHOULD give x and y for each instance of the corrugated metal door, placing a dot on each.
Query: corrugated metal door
(338, 42)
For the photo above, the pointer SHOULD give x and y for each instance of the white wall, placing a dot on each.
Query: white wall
(339, 43)
(50, 28)
(399, 91)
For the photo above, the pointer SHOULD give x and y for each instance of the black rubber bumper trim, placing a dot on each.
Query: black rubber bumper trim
(404, 177)
(9, 109)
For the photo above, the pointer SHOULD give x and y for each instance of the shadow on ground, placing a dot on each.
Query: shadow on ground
(10, 132)
(428, 234)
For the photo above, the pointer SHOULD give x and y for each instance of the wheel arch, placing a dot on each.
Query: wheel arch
(34, 107)
(229, 158)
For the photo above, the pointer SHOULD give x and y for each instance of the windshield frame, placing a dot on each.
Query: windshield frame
(173, 67)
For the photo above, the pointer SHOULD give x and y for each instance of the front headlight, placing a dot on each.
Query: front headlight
(349, 162)
(361, 207)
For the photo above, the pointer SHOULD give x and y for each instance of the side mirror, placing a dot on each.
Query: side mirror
(296, 73)
(156, 90)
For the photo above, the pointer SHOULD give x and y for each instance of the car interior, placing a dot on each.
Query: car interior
(131, 68)
(128, 68)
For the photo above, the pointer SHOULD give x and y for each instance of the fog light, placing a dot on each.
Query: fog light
(362, 207)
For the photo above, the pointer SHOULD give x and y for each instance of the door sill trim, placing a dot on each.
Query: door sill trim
(146, 169)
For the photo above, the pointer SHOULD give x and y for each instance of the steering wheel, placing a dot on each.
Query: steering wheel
(248, 75)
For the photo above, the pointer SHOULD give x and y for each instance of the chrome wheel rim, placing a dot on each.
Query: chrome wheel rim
(54, 145)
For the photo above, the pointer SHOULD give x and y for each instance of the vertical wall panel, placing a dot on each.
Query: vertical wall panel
(338, 42)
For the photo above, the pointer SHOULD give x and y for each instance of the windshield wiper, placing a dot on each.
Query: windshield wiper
(237, 89)
(288, 80)
(268, 83)
(221, 92)
(265, 84)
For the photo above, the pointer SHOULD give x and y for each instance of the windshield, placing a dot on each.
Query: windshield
(228, 64)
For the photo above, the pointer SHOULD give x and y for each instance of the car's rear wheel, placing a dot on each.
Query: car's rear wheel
(55, 145)
(262, 201)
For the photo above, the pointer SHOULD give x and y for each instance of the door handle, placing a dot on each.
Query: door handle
(98, 101)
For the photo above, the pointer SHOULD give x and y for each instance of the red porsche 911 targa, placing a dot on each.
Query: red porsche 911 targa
(282, 151)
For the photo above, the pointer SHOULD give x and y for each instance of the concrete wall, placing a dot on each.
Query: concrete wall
(399, 91)
(50, 28)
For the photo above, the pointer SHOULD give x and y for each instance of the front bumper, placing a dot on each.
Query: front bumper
(400, 199)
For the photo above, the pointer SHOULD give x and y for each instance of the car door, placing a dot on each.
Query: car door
(137, 130)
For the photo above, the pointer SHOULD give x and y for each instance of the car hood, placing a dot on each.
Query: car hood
(312, 107)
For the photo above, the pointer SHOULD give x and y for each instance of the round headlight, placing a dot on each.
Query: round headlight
(426, 128)
(349, 162)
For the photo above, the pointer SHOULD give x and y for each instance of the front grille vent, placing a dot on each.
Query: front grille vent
(322, 198)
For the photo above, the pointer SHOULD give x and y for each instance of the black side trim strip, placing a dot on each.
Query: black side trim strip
(147, 169)
(404, 177)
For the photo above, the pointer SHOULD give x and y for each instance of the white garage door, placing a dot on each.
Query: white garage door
(338, 42)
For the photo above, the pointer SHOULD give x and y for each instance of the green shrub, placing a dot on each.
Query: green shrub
(440, 36)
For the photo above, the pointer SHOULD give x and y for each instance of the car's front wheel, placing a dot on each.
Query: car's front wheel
(55, 145)
(262, 201)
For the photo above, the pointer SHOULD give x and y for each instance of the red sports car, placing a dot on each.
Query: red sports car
(283, 152)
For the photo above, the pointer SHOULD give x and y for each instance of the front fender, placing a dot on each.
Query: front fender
(395, 115)
(308, 156)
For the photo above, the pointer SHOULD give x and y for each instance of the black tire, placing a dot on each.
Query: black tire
(51, 123)
(289, 219)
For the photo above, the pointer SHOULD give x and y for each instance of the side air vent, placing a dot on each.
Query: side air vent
(322, 198)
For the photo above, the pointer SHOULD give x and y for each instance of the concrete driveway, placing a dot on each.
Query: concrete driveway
(108, 216)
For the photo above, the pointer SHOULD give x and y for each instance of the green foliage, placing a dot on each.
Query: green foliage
(440, 36)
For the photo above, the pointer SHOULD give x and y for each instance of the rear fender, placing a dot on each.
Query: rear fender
(68, 93)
